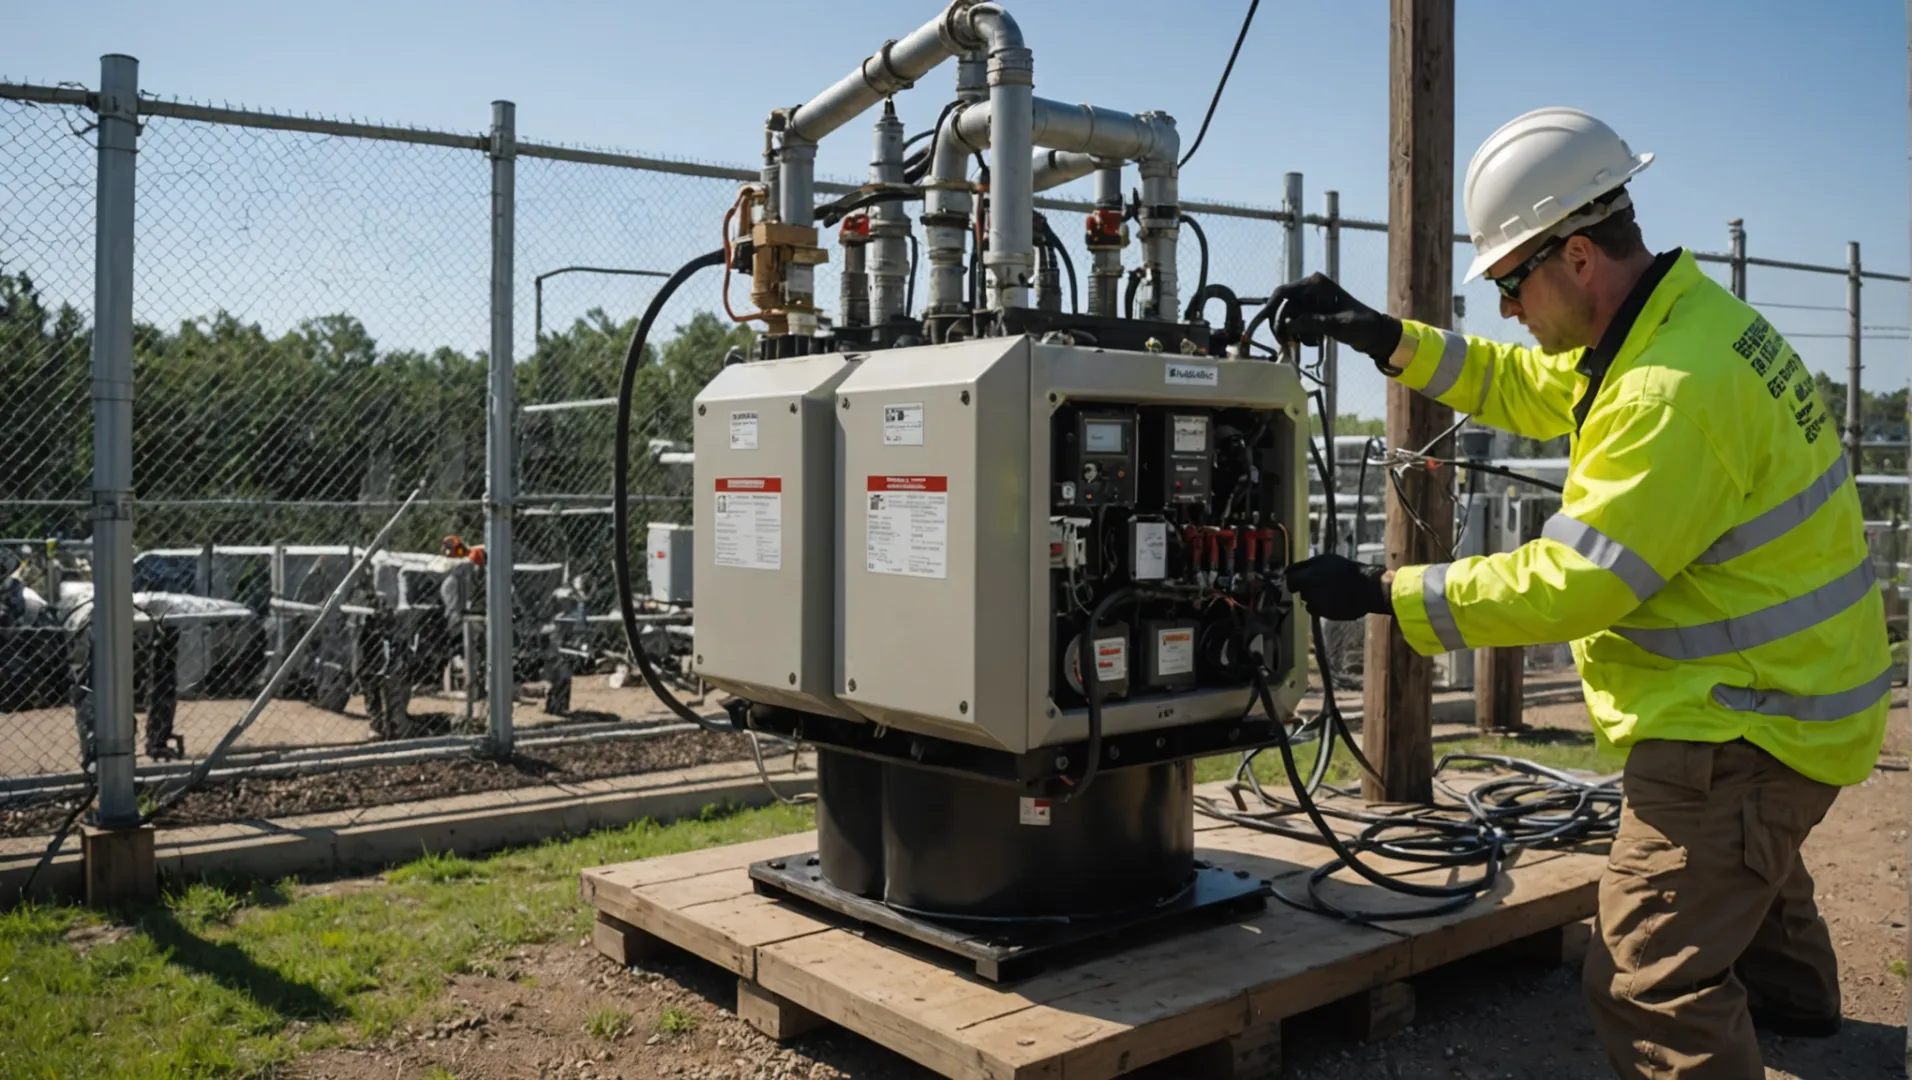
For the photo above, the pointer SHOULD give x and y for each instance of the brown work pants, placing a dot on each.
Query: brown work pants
(1705, 909)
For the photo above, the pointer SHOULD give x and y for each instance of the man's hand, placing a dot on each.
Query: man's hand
(1317, 308)
(1341, 589)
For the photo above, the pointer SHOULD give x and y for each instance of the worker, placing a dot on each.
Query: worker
(1708, 563)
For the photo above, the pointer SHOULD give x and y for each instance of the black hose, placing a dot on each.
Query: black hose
(914, 170)
(1231, 319)
(1128, 294)
(1048, 235)
(1201, 240)
(832, 212)
(621, 484)
(916, 255)
(1361, 497)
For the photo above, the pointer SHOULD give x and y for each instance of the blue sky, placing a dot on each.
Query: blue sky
(1790, 115)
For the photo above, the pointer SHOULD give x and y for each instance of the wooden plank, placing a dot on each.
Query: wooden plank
(1376, 1013)
(1538, 894)
(1254, 1054)
(726, 929)
(691, 864)
(1398, 696)
(888, 996)
(623, 942)
(1182, 993)
(773, 1015)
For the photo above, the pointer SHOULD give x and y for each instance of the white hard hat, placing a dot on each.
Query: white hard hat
(1535, 173)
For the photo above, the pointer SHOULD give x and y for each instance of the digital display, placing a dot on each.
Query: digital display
(1102, 436)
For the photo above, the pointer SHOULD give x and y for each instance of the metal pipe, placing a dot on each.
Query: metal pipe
(946, 209)
(890, 69)
(889, 254)
(1105, 256)
(853, 285)
(1087, 129)
(499, 474)
(1012, 84)
(1161, 227)
(796, 198)
(537, 290)
(1054, 168)
(1292, 241)
(112, 620)
(1736, 241)
(1855, 410)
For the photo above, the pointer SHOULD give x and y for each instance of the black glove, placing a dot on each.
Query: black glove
(1340, 589)
(1317, 308)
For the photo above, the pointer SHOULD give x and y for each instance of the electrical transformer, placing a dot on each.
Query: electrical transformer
(1010, 568)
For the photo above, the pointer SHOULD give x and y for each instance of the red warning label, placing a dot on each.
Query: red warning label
(750, 483)
(909, 483)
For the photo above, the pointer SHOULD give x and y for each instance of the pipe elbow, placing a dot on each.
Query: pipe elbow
(982, 26)
(1165, 145)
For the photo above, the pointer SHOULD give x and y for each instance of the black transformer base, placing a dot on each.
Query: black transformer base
(1007, 881)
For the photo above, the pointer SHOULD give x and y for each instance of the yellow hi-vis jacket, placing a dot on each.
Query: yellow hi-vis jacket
(1709, 561)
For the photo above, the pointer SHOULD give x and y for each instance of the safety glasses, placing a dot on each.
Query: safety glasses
(1509, 283)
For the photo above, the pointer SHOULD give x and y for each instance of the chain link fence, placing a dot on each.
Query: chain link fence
(315, 312)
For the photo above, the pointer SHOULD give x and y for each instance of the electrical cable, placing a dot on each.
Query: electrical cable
(1536, 807)
(1201, 240)
(1048, 235)
(830, 213)
(621, 485)
(1221, 85)
(763, 774)
(916, 255)
(915, 168)
(1128, 294)
(1090, 664)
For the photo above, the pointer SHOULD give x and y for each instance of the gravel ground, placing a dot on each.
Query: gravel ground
(255, 798)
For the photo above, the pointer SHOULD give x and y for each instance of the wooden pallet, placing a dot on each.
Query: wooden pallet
(1215, 996)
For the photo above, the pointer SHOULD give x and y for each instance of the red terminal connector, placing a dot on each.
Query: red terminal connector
(1251, 540)
(1267, 537)
(1103, 226)
(856, 228)
(1192, 544)
(1213, 538)
(1227, 538)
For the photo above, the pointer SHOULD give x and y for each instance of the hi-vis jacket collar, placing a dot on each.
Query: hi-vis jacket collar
(1595, 361)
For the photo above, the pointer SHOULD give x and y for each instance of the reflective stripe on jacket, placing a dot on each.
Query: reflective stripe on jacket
(1709, 560)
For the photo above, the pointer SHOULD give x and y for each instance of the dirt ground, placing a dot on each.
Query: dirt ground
(1490, 1017)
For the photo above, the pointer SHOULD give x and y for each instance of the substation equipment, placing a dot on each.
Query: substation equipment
(1009, 567)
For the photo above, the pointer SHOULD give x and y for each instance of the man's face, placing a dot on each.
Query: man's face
(1555, 304)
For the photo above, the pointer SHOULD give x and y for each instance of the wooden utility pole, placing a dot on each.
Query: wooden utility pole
(1398, 731)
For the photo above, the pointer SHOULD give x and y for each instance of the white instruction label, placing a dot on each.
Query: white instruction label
(903, 424)
(908, 531)
(1111, 659)
(1149, 561)
(1192, 375)
(1191, 434)
(749, 524)
(1174, 651)
(743, 430)
(1035, 811)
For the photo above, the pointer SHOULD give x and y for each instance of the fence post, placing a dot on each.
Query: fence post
(1736, 236)
(1330, 349)
(114, 726)
(1855, 408)
(501, 408)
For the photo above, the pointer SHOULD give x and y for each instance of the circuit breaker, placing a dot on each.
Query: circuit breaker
(765, 536)
(996, 491)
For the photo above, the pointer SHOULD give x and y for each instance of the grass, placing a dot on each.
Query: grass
(1897, 967)
(608, 1024)
(230, 979)
(675, 1021)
